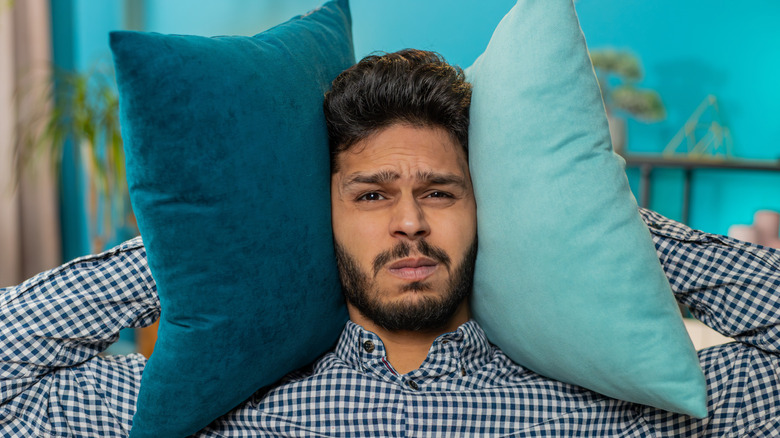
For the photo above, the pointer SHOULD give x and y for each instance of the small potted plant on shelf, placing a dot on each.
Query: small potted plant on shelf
(618, 72)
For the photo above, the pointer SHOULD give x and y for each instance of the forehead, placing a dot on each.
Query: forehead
(406, 150)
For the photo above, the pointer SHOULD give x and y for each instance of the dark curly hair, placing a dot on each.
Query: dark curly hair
(410, 86)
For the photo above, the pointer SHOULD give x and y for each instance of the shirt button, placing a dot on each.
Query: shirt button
(368, 346)
(412, 384)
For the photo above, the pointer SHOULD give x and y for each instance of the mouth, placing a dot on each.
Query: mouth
(413, 269)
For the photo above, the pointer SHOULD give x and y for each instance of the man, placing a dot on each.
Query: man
(404, 214)
(409, 362)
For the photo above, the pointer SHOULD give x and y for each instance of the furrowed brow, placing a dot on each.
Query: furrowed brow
(386, 176)
(441, 178)
(380, 177)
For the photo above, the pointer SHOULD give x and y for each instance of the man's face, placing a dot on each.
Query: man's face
(404, 223)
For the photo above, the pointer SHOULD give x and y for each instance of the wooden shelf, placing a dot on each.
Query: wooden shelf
(646, 164)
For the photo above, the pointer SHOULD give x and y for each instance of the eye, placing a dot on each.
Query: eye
(371, 196)
(438, 194)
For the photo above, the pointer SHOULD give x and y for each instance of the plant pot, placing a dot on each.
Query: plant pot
(618, 132)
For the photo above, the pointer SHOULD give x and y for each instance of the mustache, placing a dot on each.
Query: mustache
(404, 249)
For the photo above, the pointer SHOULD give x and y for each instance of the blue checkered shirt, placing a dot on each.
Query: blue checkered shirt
(53, 382)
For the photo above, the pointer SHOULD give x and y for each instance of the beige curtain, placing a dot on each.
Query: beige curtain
(29, 213)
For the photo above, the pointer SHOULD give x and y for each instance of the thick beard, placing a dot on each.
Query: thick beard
(428, 313)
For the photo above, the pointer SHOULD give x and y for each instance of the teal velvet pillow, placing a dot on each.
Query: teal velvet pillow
(567, 279)
(227, 164)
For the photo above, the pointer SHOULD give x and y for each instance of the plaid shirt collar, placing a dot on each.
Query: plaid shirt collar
(452, 354)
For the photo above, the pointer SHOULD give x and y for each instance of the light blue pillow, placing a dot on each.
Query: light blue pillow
(567, 281)
(227, 164)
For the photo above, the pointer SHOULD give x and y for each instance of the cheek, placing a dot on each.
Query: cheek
(456, 232)
(360, 235)
(340, 221)
(455, 239)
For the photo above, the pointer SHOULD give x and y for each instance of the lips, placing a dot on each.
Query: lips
(413, 269)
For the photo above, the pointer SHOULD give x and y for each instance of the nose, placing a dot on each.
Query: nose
(409, 220)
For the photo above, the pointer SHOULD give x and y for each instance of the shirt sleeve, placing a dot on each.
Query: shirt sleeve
(52, 380)
(730, 285)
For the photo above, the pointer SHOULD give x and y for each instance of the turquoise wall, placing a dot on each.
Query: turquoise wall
(689, 48)
(74, 221)
(80, 42)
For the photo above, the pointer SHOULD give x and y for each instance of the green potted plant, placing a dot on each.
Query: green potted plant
(83, 108)
(618, 72)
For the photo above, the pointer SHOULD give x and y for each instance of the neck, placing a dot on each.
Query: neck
(406, 349)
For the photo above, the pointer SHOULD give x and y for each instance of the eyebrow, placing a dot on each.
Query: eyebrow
(385, 176)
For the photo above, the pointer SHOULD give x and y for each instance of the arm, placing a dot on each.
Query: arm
(54, 326)
(732, 286)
